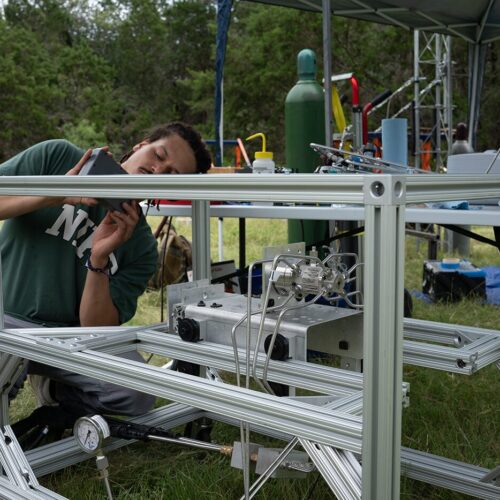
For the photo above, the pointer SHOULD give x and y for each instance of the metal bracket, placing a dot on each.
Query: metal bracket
(385, 190)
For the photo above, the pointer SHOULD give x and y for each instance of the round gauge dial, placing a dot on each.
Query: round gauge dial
(90, 432)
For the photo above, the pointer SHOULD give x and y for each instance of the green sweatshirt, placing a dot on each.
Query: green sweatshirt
(44, 252)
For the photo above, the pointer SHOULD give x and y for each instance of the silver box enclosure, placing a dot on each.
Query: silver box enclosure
(328, 329)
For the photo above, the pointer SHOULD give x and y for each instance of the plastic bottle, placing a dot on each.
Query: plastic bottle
(263, 163)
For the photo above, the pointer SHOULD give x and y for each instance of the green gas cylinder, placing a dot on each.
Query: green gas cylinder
(305, 123)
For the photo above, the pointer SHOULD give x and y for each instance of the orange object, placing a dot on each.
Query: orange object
(237, 154)
(377, 142)
(244, 152)
(425, 156)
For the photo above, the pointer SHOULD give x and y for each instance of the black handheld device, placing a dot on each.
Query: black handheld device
(100, 163)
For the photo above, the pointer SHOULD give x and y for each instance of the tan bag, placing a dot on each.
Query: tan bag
(175, 256)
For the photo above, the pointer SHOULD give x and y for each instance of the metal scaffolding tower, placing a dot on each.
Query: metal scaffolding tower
(432, 95)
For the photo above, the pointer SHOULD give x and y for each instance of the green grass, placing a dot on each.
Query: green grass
(449, 415)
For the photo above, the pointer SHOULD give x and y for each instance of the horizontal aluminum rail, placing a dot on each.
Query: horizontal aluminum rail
(412, 327)
(483, 216)
(322, 379)
(450, 187)
(463, 360)
(300, 419)
(314, 377)
(466, 349)
(249, 187)
(447, 473)
(308, 188)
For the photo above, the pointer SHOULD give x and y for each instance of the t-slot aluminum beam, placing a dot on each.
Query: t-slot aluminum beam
(339, 469)
(11, 369)
(314, 377)
(9, 491)
(464, 360)
(439, 332)
(297, 188)
(201, 240)
(484, 217)
(418, 465)
(300, 419)
(383, 336)
(20, 481)
(447, 473)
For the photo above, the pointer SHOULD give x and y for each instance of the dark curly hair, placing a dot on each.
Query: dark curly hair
(189, 134)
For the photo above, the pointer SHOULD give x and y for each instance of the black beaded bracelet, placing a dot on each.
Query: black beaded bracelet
(102, 270)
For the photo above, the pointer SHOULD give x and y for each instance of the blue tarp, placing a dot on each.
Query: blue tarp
(492, 284)
(492, 287)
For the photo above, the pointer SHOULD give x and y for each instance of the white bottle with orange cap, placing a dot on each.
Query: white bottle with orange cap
(263, 163)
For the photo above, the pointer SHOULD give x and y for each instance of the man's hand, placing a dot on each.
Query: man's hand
(72, 200)
(97, 307)
(114, 230)
(14, 206)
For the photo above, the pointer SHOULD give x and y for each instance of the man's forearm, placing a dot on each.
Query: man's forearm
(13, 206)
(96, 306)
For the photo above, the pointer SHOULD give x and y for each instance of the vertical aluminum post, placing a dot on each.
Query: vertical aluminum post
(437, 96)
(220, 240)
(383, 336)
(4, 401)
(2, 322)
(201, 240)
(327, 70)
(416, 96)
(473, 94)
(448, 96)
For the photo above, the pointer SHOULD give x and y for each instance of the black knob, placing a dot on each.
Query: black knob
(188, 329)
(280, 348)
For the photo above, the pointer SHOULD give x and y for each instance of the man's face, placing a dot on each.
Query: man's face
(170, 155)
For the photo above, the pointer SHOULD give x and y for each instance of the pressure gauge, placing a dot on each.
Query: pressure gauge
(90, 432)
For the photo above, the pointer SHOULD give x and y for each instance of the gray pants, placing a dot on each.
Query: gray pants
(86, 394)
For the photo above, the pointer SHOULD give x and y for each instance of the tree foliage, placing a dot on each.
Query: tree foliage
(109, 69)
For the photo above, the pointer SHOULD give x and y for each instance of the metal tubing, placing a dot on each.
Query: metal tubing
(55, 456)
(193, 443)
(275, 333)
(257, 485)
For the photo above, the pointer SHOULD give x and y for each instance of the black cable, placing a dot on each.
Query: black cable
(345, 234)
(475, 236)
